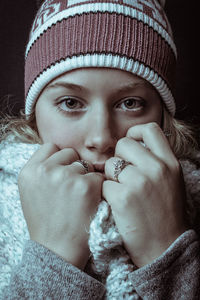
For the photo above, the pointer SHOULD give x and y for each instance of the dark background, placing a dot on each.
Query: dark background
(16, 18)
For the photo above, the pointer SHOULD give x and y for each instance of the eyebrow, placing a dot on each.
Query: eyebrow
(120, 89)
(134, 85)
(65, 85)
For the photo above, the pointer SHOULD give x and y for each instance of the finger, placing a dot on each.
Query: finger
(96, 178)
(132, 151)
(153, 137)
(82, 167)
(63, 157)
(111, 192)
(45, 151)
(110, 168)
(116, 193)
(125, 176)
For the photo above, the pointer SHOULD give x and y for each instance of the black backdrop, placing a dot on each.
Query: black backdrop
(15, 21)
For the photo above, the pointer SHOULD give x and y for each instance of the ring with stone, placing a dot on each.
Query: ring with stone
(84, 163)
(120, 164)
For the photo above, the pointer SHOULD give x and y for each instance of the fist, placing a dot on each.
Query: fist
(59, 199)
(148, 199)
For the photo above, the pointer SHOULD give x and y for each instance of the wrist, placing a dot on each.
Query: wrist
(153, 250)
(76, 255)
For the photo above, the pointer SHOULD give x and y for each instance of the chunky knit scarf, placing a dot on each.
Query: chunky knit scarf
(108, 257)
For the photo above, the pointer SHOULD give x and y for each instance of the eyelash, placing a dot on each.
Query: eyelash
(141, 102)
(64, 111)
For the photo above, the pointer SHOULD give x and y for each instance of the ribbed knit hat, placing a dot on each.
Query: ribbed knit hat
(130, 35)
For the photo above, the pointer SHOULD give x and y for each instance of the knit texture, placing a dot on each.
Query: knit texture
(174, 275)
(130, 35)
(109, 258)
(13, 228)
(45, 275)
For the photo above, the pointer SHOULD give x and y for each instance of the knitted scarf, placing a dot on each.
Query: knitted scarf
(109, 259)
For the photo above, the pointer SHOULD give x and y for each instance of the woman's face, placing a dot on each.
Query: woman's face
(90, 109)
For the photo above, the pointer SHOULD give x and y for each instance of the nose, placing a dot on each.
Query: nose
(101, 135)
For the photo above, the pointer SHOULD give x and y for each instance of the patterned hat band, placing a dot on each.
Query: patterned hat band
(130, 35)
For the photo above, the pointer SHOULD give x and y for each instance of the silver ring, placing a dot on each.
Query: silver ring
(119, 166)
(84, 163)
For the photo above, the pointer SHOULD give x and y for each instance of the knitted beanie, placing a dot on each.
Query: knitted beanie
(130, 35)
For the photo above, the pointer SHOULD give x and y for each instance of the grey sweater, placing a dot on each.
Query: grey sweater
(30, 271)
(43, 275)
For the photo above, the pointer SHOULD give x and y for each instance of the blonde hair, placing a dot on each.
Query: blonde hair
(181, 136)
(22, 128)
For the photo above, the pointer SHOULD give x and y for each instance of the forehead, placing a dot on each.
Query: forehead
(100, 82)
(102, 77)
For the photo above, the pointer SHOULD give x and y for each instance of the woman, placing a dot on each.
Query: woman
(103, 197)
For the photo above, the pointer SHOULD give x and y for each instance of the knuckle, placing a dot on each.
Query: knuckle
(43, 168)
(48, 149)
(82, 186)
(160, 169)
(121, 143)
(152, 126)
(70, 152)
(130, 130)
(45, 173)
(50, 146)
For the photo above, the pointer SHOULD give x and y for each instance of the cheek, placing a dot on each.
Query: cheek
(56, 130)
(154, 115)
(63, 136)
(67, 139)
(157, 116)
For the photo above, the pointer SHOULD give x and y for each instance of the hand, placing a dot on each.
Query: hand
(59, 200)
(148, 201)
